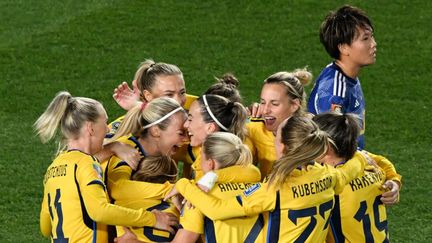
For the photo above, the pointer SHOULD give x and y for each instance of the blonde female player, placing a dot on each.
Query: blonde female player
(152, 80)
(220, 151)
(75, 206)
(154, 129)
(282, 96)
(209, 114)
(299, 195)
(359, 214)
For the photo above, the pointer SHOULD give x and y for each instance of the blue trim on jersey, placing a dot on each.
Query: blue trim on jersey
(138, 145)
(336, 223)
(209, 231)
(256, 229)
(49, 208)
(96, 182)
(94, 232)
(121, 163)
(86, 218)
(190, 152)
(274, 222)
(239, 200)
(161, 206)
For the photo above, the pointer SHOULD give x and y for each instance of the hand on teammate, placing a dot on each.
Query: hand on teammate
(165, 221)
(126, 97)
(126, 153)
(391, 194)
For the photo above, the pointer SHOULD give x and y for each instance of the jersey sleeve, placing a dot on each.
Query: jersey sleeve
(45, 220)
(120, 185)
(191, 219)
(214, 208)
(348, 171)
(327, 97)
(113, 127)
(96, 202)
(387, 167)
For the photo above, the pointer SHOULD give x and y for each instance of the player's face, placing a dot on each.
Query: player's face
(362, 51)
(173, 136)
(172, 86)
(279, 146)
(197, 128)
(100, 129)
(276, 105)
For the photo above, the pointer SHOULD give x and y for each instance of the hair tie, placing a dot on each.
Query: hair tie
(211, 114)
(143, 105)
(163, 118)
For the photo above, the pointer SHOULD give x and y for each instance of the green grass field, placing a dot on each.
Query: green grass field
(88, 47)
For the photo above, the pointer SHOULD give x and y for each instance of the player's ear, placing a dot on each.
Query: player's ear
(147, 95)
(343, 49)
(89, 128)
(295, 105)
(154, 131)
(211, 128)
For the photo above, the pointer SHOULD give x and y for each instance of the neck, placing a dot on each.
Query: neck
(80, 144)
(150, 146)
(349, 69)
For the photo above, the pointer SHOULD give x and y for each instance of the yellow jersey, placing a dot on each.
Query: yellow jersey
(242, 229)
(261, 142)
(298, 211)
(75, 205)
(359, 215)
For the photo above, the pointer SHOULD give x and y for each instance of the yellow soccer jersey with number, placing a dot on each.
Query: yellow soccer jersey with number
(242, 229)
(75, 205)
(147, 234)
(359, 215)
(298, 212)
(113, 126)
(261, 142)
(118, 174)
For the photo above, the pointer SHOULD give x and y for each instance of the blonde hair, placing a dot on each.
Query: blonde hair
(70, 113)
(232, 115)
(156, 169)
(149, 70)
(294, 83)
(227, 149)
(141, 115)
(303, 143)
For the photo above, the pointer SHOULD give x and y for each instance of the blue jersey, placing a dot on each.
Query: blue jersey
(335, 91)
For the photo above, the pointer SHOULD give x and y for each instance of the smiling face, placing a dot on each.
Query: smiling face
(276, 105)
(197, 128)
(173, 136)
(362, 51)
(172, 86)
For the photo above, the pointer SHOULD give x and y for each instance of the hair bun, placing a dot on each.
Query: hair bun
(303, 75)
(229, 79)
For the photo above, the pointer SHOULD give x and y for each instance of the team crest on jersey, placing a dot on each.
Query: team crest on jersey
(98, 170)
(336, 107)
(252, 189)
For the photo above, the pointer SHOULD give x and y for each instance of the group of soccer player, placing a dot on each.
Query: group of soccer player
(281, 170)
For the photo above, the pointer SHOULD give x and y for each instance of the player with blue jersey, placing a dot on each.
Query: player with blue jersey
(347, 36)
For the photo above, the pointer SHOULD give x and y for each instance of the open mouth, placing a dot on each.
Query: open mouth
(269, 120)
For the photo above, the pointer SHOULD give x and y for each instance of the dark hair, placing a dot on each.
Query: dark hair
(226, 86)
(343, 129)
(340, 27)
(232, 115)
